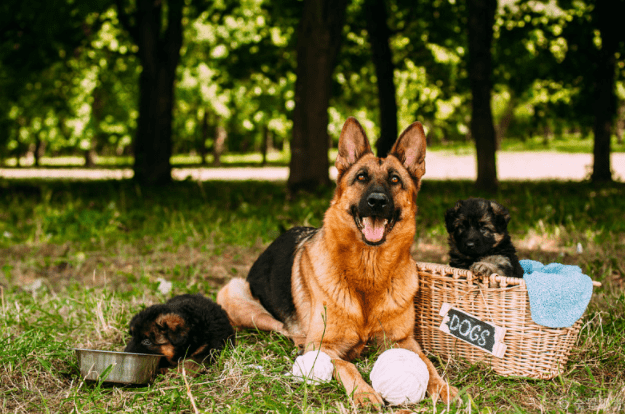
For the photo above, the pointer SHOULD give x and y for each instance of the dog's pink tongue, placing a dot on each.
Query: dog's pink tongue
(373, 229)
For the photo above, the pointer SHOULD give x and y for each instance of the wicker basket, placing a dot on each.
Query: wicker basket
(533, 350)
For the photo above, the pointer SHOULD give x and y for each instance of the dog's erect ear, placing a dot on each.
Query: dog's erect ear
(501, 213)
(410, 149)
(353, 144)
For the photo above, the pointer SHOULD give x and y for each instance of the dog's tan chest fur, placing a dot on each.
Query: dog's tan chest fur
(368, 301)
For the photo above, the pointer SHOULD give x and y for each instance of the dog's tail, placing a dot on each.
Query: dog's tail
(244, 311)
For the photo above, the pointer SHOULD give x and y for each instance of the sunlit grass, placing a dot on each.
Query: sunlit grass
(77, 260)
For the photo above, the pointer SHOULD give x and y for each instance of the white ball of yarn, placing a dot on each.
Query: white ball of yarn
(400, 377)
(315, 366)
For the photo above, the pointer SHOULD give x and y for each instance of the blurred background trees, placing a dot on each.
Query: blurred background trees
(139, 82)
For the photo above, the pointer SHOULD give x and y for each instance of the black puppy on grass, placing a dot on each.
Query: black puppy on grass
(189, 327)
(479, 240)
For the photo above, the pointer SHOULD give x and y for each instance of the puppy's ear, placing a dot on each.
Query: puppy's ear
(502, 215)
(410, 149)
(170, 322)
(174, 327)
(353, 144)
(450, 216)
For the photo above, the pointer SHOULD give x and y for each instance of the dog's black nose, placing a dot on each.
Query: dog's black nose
(377, 200)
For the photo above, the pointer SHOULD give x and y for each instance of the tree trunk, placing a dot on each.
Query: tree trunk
(379, 35)
(481, 18)
(318, 43)
(620, 124)
(204, 138)
(265, 145)
(605, 98)
(220, 144)
(38, 152)
(546, 134)
(159, 53)
(504, 122)
(90, 156)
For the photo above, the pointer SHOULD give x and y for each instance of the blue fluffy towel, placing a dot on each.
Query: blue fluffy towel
(559, 294)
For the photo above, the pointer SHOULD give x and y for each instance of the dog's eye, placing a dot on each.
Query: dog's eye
(146, 342)
(361, 177)
(395, 179)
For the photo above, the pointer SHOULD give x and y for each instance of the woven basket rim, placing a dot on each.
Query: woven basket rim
(467, 274)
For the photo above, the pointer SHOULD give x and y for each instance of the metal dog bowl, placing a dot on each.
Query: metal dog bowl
(119, 367)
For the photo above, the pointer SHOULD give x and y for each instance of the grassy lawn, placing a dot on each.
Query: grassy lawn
(79, 259)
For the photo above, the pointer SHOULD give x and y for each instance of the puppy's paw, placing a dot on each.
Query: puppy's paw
(483, 269)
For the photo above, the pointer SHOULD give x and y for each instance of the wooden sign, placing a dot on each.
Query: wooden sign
(468, 328)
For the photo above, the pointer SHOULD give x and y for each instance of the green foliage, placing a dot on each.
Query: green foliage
(236, 73)
(76, 92)
(546, 55)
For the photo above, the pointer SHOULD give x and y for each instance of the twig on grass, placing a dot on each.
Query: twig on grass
(186, 383)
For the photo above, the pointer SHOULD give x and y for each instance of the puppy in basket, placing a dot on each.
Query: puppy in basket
(479, 239)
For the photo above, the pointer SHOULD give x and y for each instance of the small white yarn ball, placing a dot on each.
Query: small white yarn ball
(400, 377)
(315, 366)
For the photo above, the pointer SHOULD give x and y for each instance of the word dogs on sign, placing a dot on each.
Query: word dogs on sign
(470, 329)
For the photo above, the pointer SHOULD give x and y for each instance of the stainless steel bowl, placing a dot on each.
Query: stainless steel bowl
(125, 368)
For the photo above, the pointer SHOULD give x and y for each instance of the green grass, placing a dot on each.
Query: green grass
(562, 143)
(79, 259)
(567, 143)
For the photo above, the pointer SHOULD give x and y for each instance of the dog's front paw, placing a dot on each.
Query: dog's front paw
(368, 398)
(445, 392)
(483, 269)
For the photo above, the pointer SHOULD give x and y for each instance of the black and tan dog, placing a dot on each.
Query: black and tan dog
(189, 327)
(353, 280)
(479, 239)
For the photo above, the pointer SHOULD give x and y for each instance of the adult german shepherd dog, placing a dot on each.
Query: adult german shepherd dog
(353, 280)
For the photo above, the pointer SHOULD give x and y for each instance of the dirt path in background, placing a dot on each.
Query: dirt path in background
(439, 166)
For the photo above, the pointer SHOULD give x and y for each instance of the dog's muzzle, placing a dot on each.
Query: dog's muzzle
(375, 215)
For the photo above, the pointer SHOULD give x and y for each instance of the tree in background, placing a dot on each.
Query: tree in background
(563, 60)
(156, 28)
(429, 44)
(318, 42)
(37, 40)
(481, 19)
(379, 38)
(69, 76)
(607, 17)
